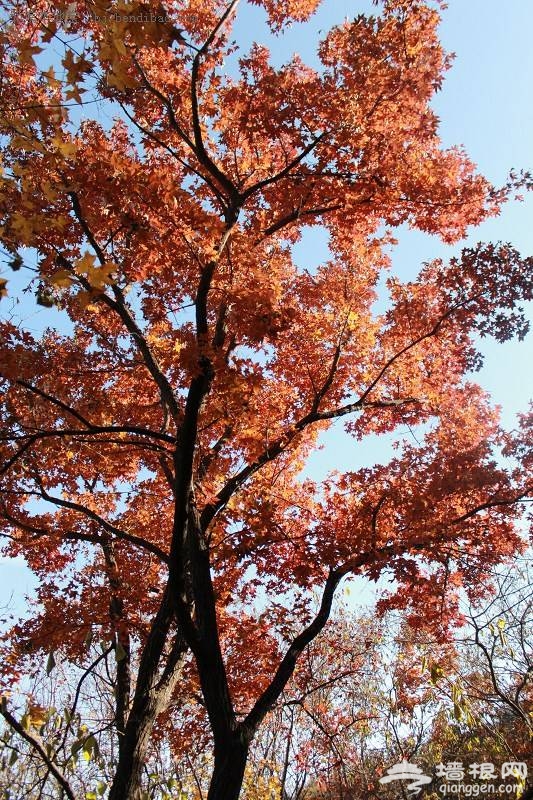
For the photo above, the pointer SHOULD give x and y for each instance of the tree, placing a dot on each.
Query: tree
(154, 441)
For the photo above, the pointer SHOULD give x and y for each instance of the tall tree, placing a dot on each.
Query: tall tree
(153, 445)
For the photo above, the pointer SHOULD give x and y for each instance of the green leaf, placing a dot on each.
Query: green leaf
(51, 662)
(436, 672)
(90, 748)
(89, 744)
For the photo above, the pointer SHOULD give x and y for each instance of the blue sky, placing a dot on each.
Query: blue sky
(485, 105)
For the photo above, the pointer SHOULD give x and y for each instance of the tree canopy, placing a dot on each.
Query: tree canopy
(154, 443)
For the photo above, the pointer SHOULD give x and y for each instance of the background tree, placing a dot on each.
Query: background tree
(153, 447)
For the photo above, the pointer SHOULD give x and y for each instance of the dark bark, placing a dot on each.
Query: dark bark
(228, 773)
(122, 638)
(232, 741)
(152, 695)
(286, 668)
(134, 745)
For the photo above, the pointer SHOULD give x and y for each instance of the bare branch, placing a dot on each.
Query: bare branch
(40, 749)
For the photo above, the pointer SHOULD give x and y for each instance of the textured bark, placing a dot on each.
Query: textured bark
(228, 774)
(152, 695)
(134, 746)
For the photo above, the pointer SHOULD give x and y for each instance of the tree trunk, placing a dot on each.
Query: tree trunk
(134, 746)
(135, 741)
(228, 774)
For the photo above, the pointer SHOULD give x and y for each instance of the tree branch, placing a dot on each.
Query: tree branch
(286, 170)
(59, 403)
(185, 164)
(105, 524)
(284, 441)
(201, 152)
(298, 213)
(39, 748)
(288, 663)
(281, 444)
(119, 306)
(164, 437)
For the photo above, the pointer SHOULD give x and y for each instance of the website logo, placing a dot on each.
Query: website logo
(404, 771)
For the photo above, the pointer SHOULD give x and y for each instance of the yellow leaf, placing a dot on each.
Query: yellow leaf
(49, 191)
(84, 298)
(99, 277)
(62, 279)
(74, 94)
(351, 322)
(118, 44)
(85, 264)
(76, 68)
(120, 79)
(28, 145)
(36, 715)
(19, 170)
(60, 222)
(22, 227)
(67, 149)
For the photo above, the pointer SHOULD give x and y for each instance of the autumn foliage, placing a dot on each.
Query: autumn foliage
(154, 440)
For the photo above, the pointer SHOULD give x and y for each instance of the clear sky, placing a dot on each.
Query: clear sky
(486, 105)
